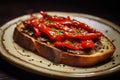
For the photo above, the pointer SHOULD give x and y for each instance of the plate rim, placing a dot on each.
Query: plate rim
(106, 72)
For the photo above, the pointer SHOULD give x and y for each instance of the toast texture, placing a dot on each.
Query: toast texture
(102, 50)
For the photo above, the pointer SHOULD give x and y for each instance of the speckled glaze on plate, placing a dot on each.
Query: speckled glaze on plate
(31, 62)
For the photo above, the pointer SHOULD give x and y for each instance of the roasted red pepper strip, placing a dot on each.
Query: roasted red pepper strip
(58, 25)
(68, 45)
(78, 25)
(60, 37)
(86, 27)
(54, 18)
(52, 34)
(34, 23)
(87, 44)
(40, 27)
(68, 21)
(46, 30)
(65, 31)
(49, 32)
(83, 36)
(61, 25)
(36, 31)
(75, 46)
(31, 24)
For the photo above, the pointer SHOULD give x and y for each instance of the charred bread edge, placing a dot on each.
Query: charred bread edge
(56, 55)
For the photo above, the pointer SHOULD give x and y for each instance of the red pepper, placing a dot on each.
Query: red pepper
(52, 34)
(83, 36)
(87, 44)
(76, 46)
(60, 37)
(32, 17)
(31, 24)
(43, 13)
(54, 18)
(65, 32)
(34, 23)
(59, 25)
(78, 25)
(46, 30)
(68, 45)
(86, 27)
(40, 27)
(68, 21)
(26, 23)
(36, 31)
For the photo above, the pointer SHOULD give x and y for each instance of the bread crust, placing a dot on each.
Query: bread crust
(59, 56)
(23, 39)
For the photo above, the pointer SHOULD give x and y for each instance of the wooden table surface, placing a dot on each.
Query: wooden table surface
(9, 10)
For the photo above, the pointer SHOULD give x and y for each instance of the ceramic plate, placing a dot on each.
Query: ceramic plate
(31, 62)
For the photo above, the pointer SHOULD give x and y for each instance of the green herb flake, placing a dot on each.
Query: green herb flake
(63, 65)
(23, 50)
(68, 42)
(40, 61)
(59, 65)
(77, 30)
(113, 60)
(60, 31)
(96, 67)
(74, 69)
(31, 59)
(105, 66)
(3, 39)
(117, 55)
(113, 40)
(75, 44)
(48, 21)
(53, 28)
(113, 63)
(27, 55)
(49, 65)
(106, 31)
(56, 64)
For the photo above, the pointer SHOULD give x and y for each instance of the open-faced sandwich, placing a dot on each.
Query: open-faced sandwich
(63, 40)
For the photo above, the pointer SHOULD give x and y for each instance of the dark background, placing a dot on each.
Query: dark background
(108, 9)
(9, 9)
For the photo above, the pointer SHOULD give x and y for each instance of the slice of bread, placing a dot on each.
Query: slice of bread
(103, 50)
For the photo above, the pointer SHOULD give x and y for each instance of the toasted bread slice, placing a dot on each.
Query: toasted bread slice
(103, 50)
